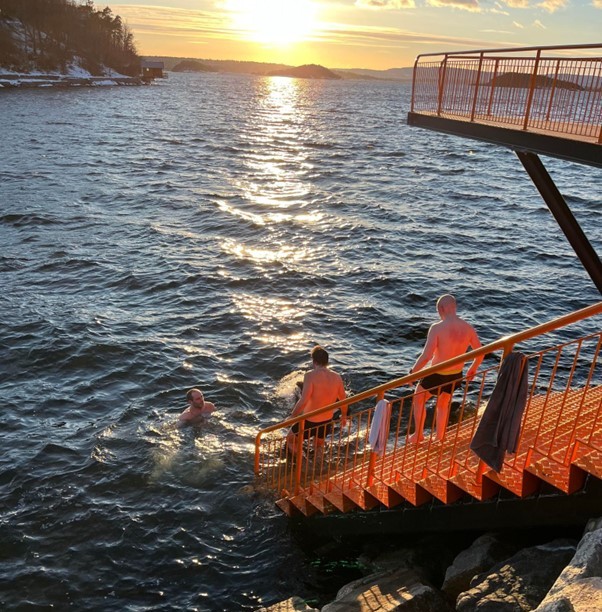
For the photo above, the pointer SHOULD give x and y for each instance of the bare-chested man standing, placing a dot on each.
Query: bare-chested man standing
(321, 387)
(448, 338)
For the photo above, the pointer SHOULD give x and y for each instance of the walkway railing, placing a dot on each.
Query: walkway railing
(563, 412)
(531, 88)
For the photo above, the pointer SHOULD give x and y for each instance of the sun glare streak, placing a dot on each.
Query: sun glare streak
(267, 255)
(277, 172)
(275, 317)
(277, 22)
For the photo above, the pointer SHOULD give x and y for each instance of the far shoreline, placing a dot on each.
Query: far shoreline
(11, 80)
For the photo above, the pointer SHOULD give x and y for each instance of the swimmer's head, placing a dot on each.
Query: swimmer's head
(195, 398)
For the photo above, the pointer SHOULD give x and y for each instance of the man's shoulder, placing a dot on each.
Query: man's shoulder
(467, 325)
(335, 375)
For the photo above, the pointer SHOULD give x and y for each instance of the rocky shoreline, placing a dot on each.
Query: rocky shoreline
(507, 572)
(15, 80)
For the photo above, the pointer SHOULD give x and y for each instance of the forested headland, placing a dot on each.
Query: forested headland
(56, 35)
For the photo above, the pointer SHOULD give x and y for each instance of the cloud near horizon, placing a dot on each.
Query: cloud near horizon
(466, 5)
(385, 4)
(552, 5)
(474, 6)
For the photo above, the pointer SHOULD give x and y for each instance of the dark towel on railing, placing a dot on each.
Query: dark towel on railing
(499, 428)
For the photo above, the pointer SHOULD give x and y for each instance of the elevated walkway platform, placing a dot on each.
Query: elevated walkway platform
(537, 99)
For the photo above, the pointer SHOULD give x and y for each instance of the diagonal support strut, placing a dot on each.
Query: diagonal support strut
(563, 215)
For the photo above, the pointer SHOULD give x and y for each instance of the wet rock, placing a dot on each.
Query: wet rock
(294, 604)
(402, 590)
(483, 554)
(430, 558)
(579, 586)
(519, 583)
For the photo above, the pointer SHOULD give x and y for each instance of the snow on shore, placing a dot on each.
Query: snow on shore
(74, 76)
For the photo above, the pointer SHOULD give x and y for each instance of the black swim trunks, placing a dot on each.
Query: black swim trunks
(319, 430)
(441, 383)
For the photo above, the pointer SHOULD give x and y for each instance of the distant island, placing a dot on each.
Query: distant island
(308, 71)
(521, 80)
(193, 66)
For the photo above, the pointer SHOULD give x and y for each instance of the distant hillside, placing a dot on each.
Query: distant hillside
(56, 35)
(239, 67)
(392, 74)
(193, 66)
(308, 71)
(264, 68)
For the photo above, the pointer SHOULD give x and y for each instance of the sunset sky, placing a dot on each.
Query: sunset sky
(376, 34)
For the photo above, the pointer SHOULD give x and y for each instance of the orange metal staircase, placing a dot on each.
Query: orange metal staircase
(560, 439)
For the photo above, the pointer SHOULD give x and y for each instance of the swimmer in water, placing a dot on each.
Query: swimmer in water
(197, 408)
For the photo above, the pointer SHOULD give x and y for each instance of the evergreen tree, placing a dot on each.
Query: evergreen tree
(58, 32)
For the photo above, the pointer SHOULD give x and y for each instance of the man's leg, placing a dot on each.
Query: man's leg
(319, 439)
(419, 411)
(443, 409)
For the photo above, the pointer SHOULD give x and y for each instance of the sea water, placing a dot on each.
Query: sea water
(207, 231)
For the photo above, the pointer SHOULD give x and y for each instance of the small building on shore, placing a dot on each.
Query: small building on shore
(151, 69)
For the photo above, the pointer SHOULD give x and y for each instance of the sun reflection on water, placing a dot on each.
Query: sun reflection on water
(275, 316)
(273, 253)
(277, 171)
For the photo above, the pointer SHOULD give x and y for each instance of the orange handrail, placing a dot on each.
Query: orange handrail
(563, 94)
(506, 343)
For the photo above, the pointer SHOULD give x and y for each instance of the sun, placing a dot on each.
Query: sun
(278, 22)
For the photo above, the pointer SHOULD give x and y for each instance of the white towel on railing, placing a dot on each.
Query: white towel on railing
(379, 430)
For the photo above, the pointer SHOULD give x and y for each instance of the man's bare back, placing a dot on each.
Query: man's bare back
(321, 387)
(448, 338)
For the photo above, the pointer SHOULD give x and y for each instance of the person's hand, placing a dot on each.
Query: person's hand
(343, 420)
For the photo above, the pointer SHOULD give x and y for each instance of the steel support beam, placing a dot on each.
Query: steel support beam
(563, 215)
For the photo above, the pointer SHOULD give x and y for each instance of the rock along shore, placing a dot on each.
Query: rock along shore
(495, 572)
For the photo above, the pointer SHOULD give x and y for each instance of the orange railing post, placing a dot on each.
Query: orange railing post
(372, 461)
(553, 90)
(532, 87)
(414, 83)
(476, 87)
(489, 106)
(299, 456)
(441, 82)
